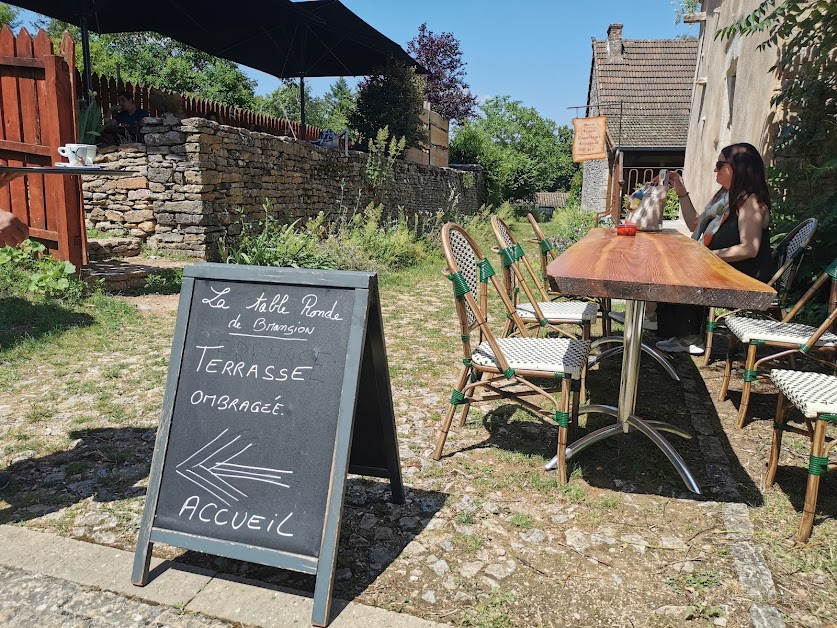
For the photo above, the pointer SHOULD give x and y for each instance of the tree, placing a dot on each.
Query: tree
(445, 86)
(338, 102)
(9, 15)
(393, 98)
(151, 59)
(283, 102)
(520, 151)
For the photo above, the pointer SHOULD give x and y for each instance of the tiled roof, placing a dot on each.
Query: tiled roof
(550, 199)
(653, 83)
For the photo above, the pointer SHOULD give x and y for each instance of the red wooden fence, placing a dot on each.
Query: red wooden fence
(38, 109)
(107, 88)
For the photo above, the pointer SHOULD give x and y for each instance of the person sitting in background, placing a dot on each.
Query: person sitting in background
(123, 119)
(212, 116)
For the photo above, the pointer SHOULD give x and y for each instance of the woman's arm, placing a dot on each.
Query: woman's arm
(687, 209)
(752, 218)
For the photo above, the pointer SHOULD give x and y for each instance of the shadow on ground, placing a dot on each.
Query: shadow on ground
(106, 464)
(24, 320)
(360, 560)
(630, 462)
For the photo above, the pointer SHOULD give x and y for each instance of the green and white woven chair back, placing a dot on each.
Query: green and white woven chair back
(794, 249)
(466, 262)
(508, 244)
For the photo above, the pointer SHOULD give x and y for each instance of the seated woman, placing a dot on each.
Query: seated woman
(735, 225)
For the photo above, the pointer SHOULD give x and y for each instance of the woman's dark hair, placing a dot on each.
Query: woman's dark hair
(126, 95)
(212, 114)
(747, 175)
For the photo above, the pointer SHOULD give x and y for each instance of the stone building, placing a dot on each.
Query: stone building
(732, 90)
(643, 87)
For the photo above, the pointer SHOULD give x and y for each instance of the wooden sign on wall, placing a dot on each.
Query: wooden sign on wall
(589, 138)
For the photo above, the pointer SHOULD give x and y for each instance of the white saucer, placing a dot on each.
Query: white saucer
(64, 164)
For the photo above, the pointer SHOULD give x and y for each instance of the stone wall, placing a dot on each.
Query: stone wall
(202, 182)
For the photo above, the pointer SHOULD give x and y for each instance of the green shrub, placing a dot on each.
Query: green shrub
(672, 208)
(568, 226)
(26, 268)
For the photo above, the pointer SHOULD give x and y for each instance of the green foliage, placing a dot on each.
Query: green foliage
(89, 116)
(151, 59)
(568, 226)
(383, 151)
(338, 104)
(682, 7)
(364, 241)
(9, 15)
(672, 208)
(521, 152)
(391, 98)
(284, 102)
(42, 275)
(804, 176)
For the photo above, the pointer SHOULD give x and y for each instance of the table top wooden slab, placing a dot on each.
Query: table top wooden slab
(65, 170)
(666, 266)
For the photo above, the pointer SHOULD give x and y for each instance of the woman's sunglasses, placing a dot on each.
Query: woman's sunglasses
(720, 164)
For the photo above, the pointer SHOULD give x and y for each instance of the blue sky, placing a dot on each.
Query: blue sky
(536, 51)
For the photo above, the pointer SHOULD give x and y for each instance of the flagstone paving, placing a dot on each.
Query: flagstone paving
(486, 537)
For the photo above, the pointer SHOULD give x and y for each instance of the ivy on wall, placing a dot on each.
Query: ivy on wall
(804, 176)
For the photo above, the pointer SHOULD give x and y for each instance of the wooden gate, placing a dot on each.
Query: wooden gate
(38, 109)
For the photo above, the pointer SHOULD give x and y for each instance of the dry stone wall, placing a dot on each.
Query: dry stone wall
(199, 182)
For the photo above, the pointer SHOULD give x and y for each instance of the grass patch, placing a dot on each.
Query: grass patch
(522, 521)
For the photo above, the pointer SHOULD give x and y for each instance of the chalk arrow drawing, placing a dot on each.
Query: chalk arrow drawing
(211, 464)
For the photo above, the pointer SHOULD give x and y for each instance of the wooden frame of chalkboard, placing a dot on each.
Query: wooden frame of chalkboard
(243, 472)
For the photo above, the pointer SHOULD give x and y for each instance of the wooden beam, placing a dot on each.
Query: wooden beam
(694, 18)
(30, 149)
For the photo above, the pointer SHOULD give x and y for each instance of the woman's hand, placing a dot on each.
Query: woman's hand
(676, 182)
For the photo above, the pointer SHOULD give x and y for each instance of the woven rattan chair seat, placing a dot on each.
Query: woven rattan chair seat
(564, 311)
(551, 355)
(749, 329)
(812, 393)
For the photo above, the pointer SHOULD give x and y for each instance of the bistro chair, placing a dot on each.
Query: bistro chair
(506, 368)
(815, 396)
(538, 312)
(787, 257)
(548, 253)
(756, 332)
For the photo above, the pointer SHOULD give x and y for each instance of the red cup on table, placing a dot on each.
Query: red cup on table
(626, 229)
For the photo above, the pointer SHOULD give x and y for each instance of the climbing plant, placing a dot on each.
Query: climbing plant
(804, 176)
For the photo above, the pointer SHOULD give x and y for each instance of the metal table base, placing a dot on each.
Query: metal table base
(626, 420)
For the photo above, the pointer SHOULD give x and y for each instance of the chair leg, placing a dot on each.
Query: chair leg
(562, 433)
(733, 346)
(585, 335)
(463, 416)
(749, 378)
(814, 472)
(709, 336)
(575, 385)
(776, 446)
(442, 435)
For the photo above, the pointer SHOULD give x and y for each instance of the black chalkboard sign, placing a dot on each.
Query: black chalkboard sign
(278, 386)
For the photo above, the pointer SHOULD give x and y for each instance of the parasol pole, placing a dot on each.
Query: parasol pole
(85, 52)
(302, 133)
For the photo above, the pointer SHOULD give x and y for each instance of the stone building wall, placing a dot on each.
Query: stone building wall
(204, 181)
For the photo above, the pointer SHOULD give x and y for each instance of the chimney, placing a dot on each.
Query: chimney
(614, 43)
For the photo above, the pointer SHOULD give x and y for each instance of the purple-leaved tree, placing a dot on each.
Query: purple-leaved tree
(445, 86)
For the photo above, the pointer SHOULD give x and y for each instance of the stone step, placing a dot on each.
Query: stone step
(106, 248)
(129, 273)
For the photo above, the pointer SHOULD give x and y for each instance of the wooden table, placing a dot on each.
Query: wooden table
(665, 267)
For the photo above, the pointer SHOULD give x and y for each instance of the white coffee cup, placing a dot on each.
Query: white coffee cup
(79, 154)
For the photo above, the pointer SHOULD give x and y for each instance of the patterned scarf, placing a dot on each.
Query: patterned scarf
(711, 219)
